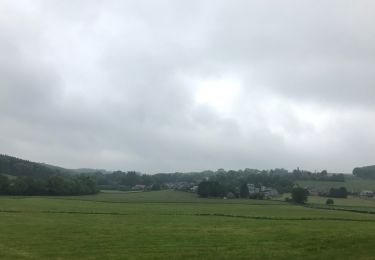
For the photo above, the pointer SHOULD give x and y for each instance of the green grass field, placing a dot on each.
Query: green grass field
(352, 184)
(178, 225)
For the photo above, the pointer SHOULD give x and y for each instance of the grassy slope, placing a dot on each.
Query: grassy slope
(352, 184)
(176, 225)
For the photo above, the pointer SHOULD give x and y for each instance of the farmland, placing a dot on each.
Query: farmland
(176, 225)
(352, 184)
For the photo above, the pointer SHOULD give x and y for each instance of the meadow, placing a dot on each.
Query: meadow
(352, 184)
(179, 225)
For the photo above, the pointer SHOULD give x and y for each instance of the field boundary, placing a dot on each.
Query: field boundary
(272, 203)
(195, 214)
(340, 209)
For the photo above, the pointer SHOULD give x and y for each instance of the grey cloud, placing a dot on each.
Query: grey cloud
(113, 84)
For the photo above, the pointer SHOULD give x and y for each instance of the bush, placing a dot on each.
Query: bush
(329, 202)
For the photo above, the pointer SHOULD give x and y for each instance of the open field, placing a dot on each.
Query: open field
(352, 184)
(178, 225)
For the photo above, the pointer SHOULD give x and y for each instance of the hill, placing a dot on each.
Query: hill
(13, 166)
(18, 167)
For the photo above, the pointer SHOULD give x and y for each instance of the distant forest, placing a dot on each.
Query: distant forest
(19, 167)
(367, 172)
(280, 179)
(22, 177)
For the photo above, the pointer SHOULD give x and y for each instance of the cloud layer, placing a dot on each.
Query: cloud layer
(171, 86)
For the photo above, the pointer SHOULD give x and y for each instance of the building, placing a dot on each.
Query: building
(367, 193)
(267, 191)
(139, 187)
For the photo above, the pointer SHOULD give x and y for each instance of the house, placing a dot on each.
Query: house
(185, 186)
(267, 191)
(270, 192)
(194, 188)
(313, 191)
(366, 193)
(252, 189)
(139, 187)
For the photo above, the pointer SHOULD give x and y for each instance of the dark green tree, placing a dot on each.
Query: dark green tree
(4, 184)
(210, 189)
(244, 191)
(20, 186)
(299, 195)
(56, 186)
(204, 189)
(338, 193)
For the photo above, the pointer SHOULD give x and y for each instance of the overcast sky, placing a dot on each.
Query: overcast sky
(164, 86)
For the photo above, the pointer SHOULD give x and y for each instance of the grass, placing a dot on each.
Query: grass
(9, 176)
(352, 184)
(349, 204)
(178, 225)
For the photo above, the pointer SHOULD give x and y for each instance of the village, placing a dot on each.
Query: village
(258, 191)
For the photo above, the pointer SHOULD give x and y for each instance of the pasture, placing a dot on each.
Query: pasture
(178, 225)
(352, 184)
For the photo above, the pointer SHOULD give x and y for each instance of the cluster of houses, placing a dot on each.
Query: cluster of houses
(183, 185)
(266, 191)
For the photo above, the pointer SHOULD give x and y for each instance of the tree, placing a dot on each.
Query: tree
(131, 179)
(56, 185)
(244, 191)
(338, 193)
(210, 189)
(329, 202)
(299, 195)
(20, 186)
(4, 184)
(367, 172)
(204, 189)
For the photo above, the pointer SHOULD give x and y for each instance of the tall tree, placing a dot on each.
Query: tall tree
(299, 195)
(244, 191)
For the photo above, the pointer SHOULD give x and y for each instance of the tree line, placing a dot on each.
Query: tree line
(54, 185)
(41, 176)
(280, 179)
(367, 172)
